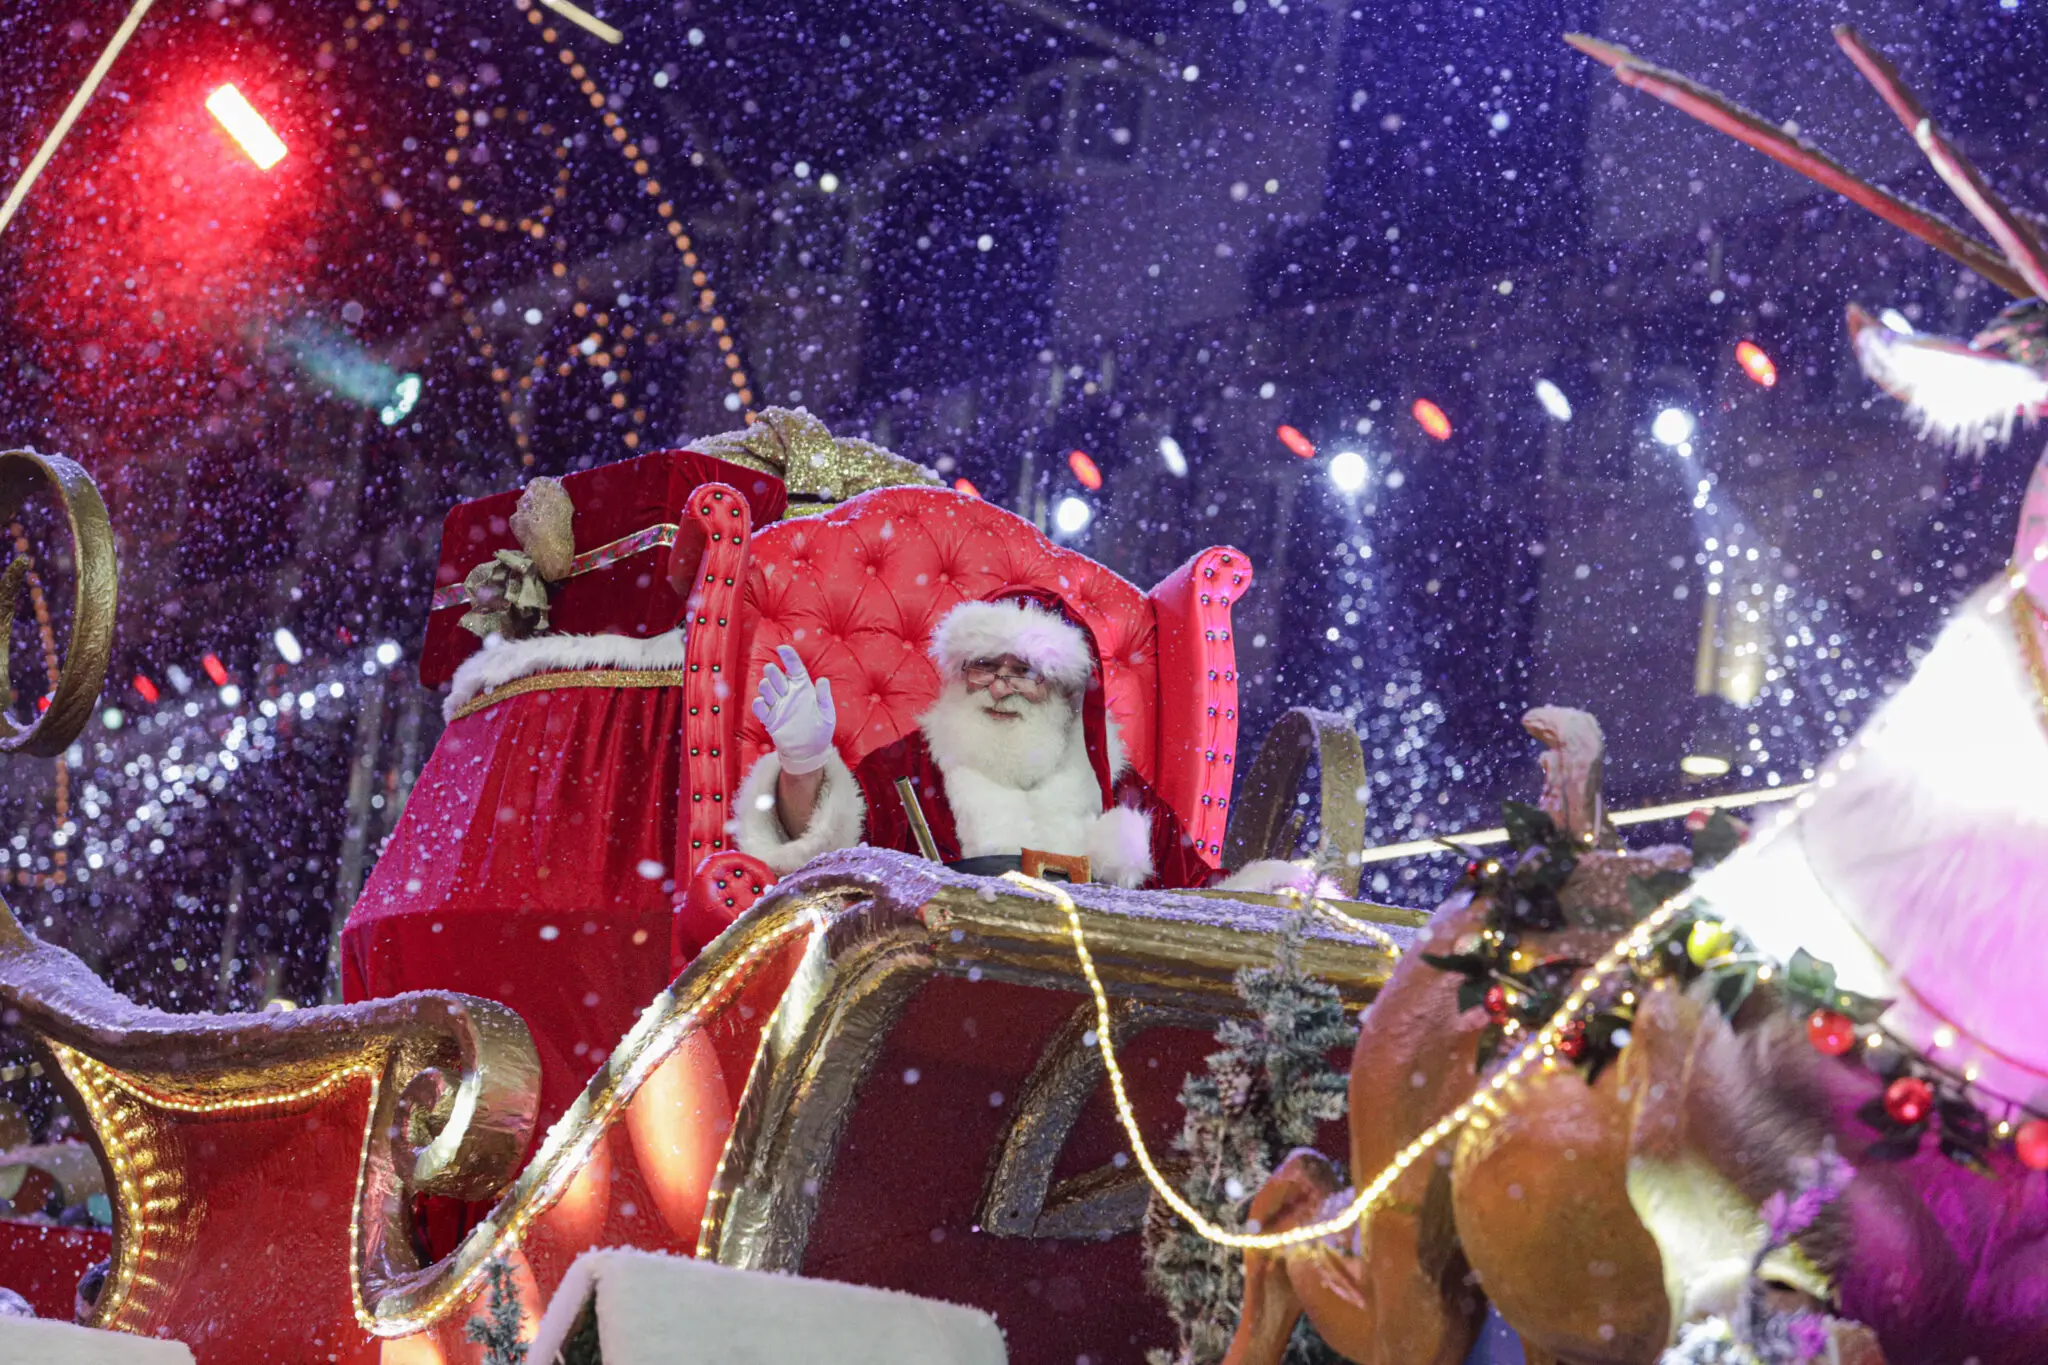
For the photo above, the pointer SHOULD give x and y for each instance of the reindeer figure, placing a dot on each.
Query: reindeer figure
(1412, 1287)
(1600, 1218)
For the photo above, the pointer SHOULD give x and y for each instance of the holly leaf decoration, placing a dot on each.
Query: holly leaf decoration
(1465, 851)
(1811, 979)
(1812, 982)
(1539, 908)
(1968, 1157)
(1715, 840)
(1964, 1132)
(1646, 894)
(1898, 1141)
(1737, 982)
(1527, 826)
(1602, 1044)
(1471, 993)
(1463, 964)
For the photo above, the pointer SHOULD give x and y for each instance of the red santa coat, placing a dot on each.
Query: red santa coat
(1130, 836)
(1175, 864)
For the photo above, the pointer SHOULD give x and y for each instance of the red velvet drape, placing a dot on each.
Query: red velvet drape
(531, 868)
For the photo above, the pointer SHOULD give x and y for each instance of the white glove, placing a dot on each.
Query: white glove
(798, 713)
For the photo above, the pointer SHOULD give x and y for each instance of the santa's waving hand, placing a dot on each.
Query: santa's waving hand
(797, 713)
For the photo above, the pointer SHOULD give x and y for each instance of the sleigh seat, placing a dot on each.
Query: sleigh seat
(856, 592)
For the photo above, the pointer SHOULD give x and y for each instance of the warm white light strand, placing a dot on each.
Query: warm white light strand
(1540, 1044)
(1350, 921)
(1477, 838)
(586, 21)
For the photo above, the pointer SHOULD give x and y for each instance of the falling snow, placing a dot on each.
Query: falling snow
(497, 246)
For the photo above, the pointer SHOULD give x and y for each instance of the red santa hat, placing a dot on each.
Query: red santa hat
(1051, 638)
(1034, 627)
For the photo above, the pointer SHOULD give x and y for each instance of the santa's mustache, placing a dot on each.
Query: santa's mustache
(1012, 705)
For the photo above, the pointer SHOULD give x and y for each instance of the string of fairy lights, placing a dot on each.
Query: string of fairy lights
(24, 872)
(183, 754)
(1539, 1051)
(611, 339)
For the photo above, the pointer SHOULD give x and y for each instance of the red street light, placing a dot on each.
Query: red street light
(1756, 363)
(215, 670)
(1084, 469)
(1295, 441)
(146, 688)
(246, 127)
(964, 486)
(1432, 419)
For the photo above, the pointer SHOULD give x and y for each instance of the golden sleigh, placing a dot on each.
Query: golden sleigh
(883, 1073)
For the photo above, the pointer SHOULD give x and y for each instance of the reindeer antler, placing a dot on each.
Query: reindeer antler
(2015, 237)
(1718, 111)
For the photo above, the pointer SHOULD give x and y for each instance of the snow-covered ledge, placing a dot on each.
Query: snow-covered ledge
(501, 661)
(48, 1342)
(646, 1303)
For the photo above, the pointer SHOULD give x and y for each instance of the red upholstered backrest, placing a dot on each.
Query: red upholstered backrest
(858, 589)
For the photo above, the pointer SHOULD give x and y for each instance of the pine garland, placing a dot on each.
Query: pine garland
(1263, 1095)
(499, 1334)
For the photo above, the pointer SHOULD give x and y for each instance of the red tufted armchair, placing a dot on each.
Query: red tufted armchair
(857, 590)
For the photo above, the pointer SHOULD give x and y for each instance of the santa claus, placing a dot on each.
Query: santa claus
(1017, 752)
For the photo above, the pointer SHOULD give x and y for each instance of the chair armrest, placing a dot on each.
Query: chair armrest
(726, 886)
(1197, 713)
(721, 522)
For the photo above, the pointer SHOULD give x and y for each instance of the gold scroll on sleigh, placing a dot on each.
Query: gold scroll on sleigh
(813, 1094)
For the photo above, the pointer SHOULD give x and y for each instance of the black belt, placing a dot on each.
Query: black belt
(996, 864)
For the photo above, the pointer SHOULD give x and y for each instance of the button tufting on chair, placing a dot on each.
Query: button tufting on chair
(921, 552)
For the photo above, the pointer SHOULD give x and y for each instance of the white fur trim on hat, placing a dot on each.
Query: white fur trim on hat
(836, 823)
(985, 630)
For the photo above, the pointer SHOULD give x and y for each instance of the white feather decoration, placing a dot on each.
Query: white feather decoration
(1962, 397)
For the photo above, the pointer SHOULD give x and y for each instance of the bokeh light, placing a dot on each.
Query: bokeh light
(1432, 419)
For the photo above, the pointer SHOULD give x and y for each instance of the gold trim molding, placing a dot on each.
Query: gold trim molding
(567, 678)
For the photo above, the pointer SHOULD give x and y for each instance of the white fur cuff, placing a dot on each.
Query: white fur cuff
(838, 821)
(1119, 847)
(1273, 875)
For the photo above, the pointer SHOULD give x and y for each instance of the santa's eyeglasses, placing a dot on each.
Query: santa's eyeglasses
(983, 674)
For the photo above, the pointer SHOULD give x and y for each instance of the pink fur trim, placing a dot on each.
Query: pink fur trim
(983, 630)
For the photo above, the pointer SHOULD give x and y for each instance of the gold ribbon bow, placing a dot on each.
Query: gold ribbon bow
(508, 592)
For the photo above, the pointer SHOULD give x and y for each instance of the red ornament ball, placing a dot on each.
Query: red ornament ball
(1571, 1044)
(1908, 1099)
(1496, 1002)
(1830, 1033)
(2031, 1144)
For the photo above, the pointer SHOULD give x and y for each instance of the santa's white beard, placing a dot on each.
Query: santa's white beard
(1014, 784)
(1042, 738)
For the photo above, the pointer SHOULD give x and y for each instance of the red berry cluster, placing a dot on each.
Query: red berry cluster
(1909, 1099)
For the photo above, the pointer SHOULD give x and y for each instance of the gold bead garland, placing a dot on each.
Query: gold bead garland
(613, 343)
